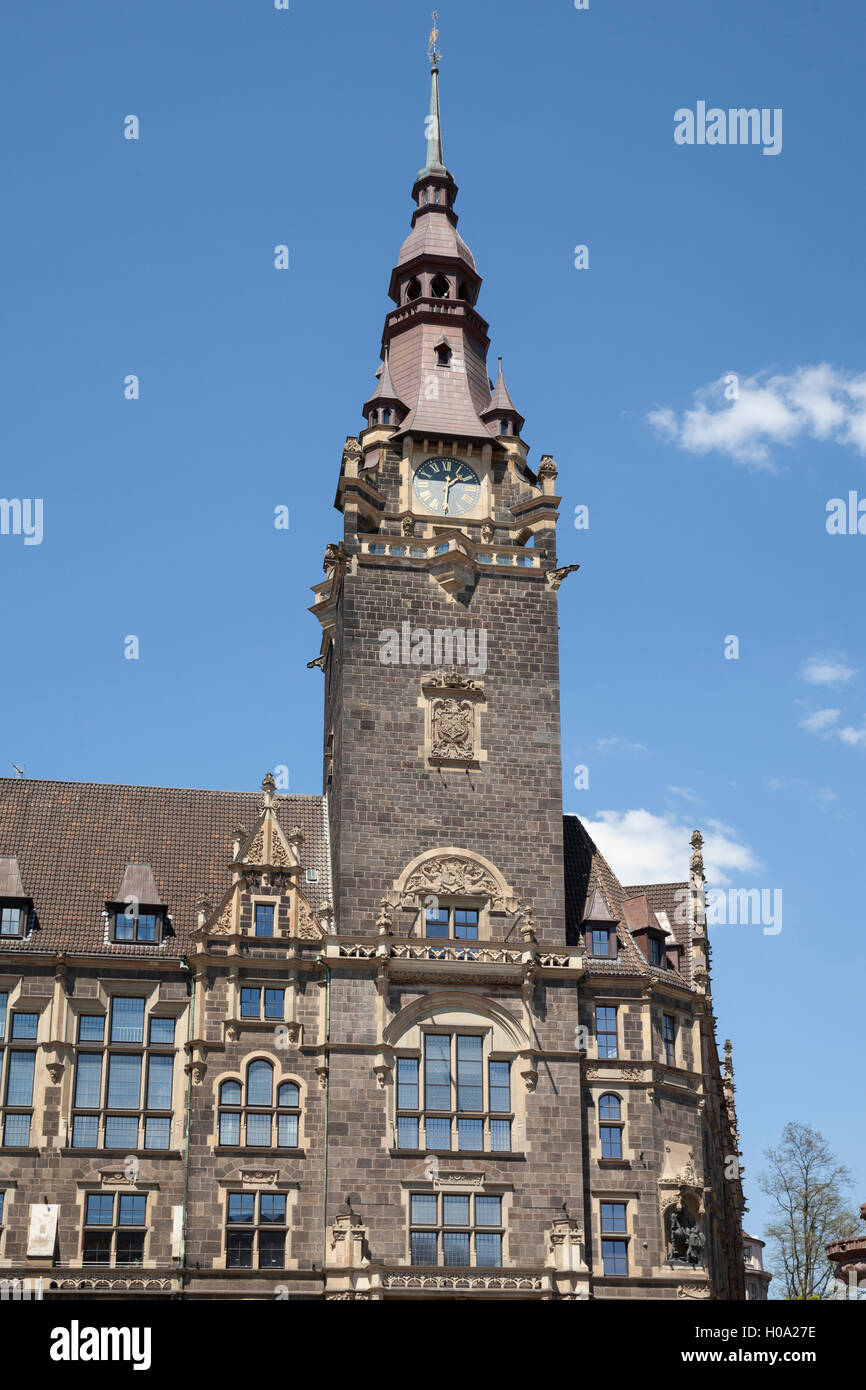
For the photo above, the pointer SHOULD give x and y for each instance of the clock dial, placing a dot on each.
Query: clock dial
(446, 486)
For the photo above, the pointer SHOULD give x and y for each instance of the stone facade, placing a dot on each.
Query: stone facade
(411, 1038)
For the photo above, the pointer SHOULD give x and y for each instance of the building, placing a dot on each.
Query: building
(757, 1278)
(410, 1038)
(849, 1257)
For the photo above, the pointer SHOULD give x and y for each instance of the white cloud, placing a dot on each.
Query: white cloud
(826, 670)
(820, 721)
(821, 402)
(645, 848)
(686, 793)
(855, 738)
(623, 744)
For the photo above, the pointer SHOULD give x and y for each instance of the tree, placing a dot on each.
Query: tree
(806, 1183)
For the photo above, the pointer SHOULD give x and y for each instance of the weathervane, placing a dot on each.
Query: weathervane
(432, 51)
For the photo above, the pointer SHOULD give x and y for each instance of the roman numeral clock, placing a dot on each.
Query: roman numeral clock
(446, 486)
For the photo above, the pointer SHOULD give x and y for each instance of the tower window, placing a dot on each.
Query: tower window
(443, 355)
(439, 287)
(503, 426)
(669, 1037)
(413, 289)
(386, 417)
(606, 1030)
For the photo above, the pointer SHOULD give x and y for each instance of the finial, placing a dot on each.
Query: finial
(697, 844)
(433, 53)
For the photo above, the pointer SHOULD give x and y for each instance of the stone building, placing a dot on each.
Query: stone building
(757, 1278)
(410, 1038)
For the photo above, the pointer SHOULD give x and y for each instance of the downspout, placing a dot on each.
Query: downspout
(320, 960)
(184, 965)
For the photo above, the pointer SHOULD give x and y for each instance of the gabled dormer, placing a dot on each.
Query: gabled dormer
(16, 908)
(137, 914)
(650, 936)
(599, 927)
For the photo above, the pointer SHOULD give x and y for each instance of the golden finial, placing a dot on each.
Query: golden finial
(432, 51)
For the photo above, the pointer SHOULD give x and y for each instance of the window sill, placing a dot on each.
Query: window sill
(260, 1151)
(509, 1155)
(19, 1149)
(614, 1162)
(118, 1155)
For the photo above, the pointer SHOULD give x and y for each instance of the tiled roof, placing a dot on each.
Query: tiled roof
(74, 841)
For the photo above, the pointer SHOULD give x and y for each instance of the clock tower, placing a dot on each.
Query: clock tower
(439, 618)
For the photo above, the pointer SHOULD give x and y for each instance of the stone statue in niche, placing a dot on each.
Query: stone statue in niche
(685, 1242)
(453, 729)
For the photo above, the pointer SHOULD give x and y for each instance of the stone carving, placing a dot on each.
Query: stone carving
(408, 526)
(469, 1282)
(260, 1175)
(453, 729)
(697, 844)
(527, 926)
(383, 921)
(632, 1073)
(317, 661)
(447, 875)
(452, 680)
(547, 467)
(223, 923)
(255, 854)
(334, 552)
(685, 1242)
(308, 927)
(488, 531)
(55, 1071)
(280, 857)
(130, 1285)
(555, 577)
(693, 1291)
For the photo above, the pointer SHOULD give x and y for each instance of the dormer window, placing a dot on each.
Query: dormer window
(13, 919)
(443, 355)
(439, 287)
(143, 926)
(656, 950)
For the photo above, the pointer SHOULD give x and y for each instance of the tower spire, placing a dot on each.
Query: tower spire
(435, 160)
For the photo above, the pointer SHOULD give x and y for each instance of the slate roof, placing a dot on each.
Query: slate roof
(75, 840)
(586, 869)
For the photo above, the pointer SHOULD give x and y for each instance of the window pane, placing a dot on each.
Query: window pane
(600, 942)
(19, 1084)
(272, 1249)
(146, 926)
(613, 1216)
(407, 1083)
(613, 1254)
(124, 1081)
(100, 1207)
(91, 1028)
(259, 1130)
(466, 924)
(124, 929)
(500, 1136)
(239, 1249)
(274, 1003)
(85, 1131)
(422, 1246)
(488, 1250)
(608, 1108)
(425, 1208)
(407, 1132)
(157, 1132)
(611, 1142)
(488, 1211)
(469, 1074)
(4, 1000)
(131, 1210)
(88, 1080)
(250, 1003)
(25, 1026)
(470, 1134)
(264, 919)
(162, 1031)
(500, 1086)
(127, 1020)
(10, 922)
(230, 1093)
(289, 1095)
(230, 1128)
(287, 1131)
(455, 1210)
(97, 1248)
(436, 921)
(16, 1131)
(242, 1207)
(273, 1207)
(438, 1132)
(437, 1072)
(260, 1083)
(121, 1132)
(455, 1245)
(130, 1247)
(159, 1075)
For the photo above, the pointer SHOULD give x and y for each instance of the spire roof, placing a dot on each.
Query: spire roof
(435, 159)
(501, 402)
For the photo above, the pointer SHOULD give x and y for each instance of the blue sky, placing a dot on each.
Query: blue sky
(707, 516)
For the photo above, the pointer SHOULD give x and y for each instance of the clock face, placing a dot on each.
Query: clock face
(446, 486)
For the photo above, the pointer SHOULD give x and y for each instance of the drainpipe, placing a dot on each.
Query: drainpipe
(320, 960)
(184, 965)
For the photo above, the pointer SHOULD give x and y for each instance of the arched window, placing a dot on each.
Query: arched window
(610, 1126)
(439, 286)
(443, 355)
(386, 417)
(249, 1118)
(413, 289)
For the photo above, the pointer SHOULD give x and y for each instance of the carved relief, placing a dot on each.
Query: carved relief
(453, 729)
(308, 927)
(446, 875)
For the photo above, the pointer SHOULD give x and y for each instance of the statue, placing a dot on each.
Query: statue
(686, 1243)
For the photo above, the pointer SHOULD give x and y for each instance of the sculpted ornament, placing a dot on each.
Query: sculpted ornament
(446, 875)
(453, 729)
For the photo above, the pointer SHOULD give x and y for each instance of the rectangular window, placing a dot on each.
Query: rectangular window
(614, 1255)
(159, 1077)
(656, 953)
(91, 1028)
(611, 1141)
(114, 1228)
(19, 1078)
(16, 1131)
(458, 1085)
(438, 921)
(24, 1027)
(274, 1003)
(442, 923)
(455, 1229)
(469, 1073)
(500, 1136)
(466, 924)
(605, 1031)
(4, 1001)
(669, 1035)
(437, 1072)
(85, 1131)
(124, 1081)
(613, 1217)
(141, 927)
(600, 941)
(121, 1131)
(88, 1081)
(264, 919)
(470, 1134)
(251, 1003)
(157, 1132)
(407, 1083)
(256, 1230)
(10, 921)
(127, 1020)
(500, 1086)
(162, 1032)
